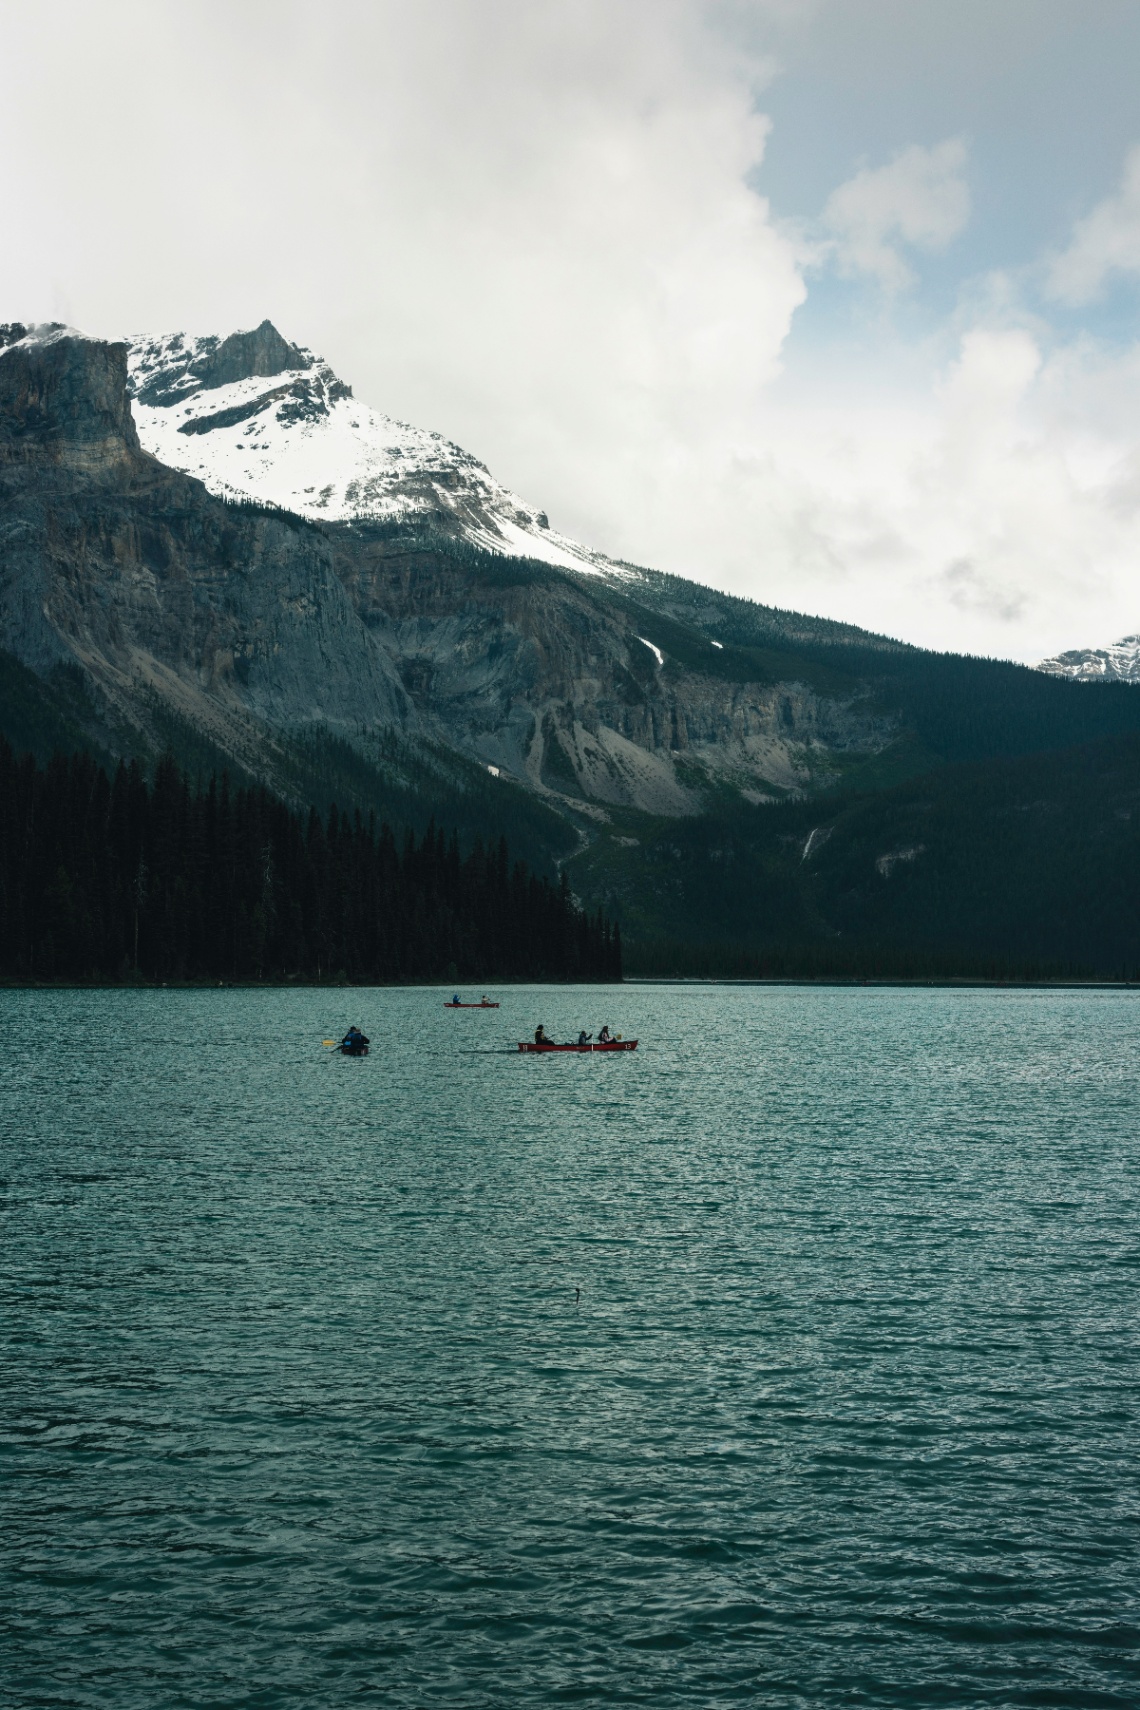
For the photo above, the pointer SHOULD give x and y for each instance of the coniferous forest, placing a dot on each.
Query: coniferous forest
(108, 878)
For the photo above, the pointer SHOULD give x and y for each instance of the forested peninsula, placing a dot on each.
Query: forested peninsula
(107, 878)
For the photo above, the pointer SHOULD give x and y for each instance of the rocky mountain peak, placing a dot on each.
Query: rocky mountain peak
(1117, 663)
(167, 370)
(253, 416)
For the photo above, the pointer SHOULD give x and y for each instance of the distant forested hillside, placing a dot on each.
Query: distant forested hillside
(1024, 866)
(110, 877)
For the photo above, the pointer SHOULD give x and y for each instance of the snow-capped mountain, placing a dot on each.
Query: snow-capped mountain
(1119, 663)
(253, 416)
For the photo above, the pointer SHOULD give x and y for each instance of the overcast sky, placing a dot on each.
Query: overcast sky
(829, 302)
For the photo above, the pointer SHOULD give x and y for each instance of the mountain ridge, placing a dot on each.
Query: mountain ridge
(393, 660)
(1117, 663)
(251, 622)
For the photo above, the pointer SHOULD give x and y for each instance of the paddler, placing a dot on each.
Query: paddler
(605, 1037)
(540, 1036)
(584, 1037)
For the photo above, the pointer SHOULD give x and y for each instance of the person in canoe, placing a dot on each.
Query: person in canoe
(354, 1043)
(605, 1037)
(584, 1037)
(540, 1036)
(455, 999)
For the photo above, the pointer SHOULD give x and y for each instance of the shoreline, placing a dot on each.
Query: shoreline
(964, 982)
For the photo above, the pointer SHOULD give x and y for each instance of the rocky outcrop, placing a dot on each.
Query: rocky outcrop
(64, 404)
(254, 626)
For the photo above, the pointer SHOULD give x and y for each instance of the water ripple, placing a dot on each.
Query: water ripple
(792, 1359)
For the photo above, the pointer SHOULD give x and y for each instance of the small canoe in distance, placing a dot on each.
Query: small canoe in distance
(612, 1045)
(470, 1006)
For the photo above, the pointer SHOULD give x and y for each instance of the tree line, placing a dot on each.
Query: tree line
(114, 877)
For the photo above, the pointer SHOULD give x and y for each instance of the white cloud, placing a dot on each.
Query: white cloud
(1105, 242)
(919, 200)
(532, 228)
(991, 504)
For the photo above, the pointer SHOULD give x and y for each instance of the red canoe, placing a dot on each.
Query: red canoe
(470, 1006)
(614, 1045)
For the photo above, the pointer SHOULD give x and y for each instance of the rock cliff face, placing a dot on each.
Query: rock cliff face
(547, 677)
(255, 627)
(63, 403)
(233, 619)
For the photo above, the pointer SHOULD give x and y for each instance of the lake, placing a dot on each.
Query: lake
(791, 1359)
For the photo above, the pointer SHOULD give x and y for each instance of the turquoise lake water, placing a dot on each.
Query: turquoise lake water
(792, 1359)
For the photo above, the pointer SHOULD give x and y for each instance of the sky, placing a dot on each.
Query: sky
(832, 303)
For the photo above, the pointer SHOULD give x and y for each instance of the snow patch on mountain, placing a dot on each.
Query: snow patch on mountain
(1119, 663)
(254, 417)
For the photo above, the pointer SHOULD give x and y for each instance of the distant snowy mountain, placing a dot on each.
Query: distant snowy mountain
(1119, 663)
(253, 416)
